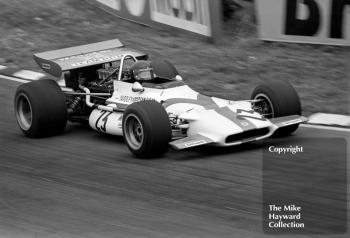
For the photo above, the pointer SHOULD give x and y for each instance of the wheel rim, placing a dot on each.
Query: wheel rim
(264, 106)
(24, 112)
(134, 132)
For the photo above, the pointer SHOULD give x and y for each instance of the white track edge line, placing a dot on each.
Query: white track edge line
(14, 79)
(27, 81)
(28, 74)
(325, 127)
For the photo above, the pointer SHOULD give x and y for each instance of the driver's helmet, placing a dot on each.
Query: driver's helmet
(142, 71)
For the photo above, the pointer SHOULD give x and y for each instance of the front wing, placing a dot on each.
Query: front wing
(198, 139)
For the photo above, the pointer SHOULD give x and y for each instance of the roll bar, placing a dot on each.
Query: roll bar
(122, 64)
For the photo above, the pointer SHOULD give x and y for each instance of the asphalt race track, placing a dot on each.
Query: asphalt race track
(83, 184)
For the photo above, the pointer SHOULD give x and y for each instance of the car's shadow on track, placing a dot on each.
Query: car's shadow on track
(73, 127)
(77, 128)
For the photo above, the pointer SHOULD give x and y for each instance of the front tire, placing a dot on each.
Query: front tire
(278, 99)
(146, 129)
(40, 108)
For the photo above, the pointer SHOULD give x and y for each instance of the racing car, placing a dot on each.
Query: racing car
(119, 91)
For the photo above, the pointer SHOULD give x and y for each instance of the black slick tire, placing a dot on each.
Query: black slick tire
(283, 99)
(146, 129)
(40, 108)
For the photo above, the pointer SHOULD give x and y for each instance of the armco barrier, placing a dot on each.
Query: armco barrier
(202, 17)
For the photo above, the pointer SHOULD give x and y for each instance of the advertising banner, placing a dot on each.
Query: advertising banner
(192, 15)
(134, 10)
(197, 16)
(305, 21)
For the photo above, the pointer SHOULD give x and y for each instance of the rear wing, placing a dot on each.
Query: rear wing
(57, 61)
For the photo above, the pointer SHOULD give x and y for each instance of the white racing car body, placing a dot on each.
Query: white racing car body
(105, 85)
(209, 120)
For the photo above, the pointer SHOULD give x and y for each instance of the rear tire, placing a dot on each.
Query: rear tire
(282, 99)
(40, 108)
(146, 129)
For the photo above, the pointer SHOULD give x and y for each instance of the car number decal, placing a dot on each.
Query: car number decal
(102, 118)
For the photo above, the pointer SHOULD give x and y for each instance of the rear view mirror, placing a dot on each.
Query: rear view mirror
(137, 87)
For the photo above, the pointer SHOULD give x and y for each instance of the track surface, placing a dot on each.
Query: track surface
(83, 184)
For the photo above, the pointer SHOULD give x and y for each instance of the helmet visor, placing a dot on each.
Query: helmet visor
(144, 74)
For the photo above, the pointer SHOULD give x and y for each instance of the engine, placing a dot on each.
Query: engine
(98, 79)
(103, 74)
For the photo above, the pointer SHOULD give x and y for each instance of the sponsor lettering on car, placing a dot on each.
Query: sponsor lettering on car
(130, 99)
(94, 60)
(92, 54)
(195, 143)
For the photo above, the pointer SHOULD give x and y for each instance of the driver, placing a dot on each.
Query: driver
(153, 72)
(142, 71)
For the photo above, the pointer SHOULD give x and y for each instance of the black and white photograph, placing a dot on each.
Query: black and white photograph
(174, 118)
